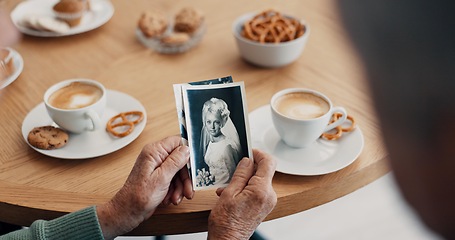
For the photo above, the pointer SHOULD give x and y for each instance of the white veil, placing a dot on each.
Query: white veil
(231, 133)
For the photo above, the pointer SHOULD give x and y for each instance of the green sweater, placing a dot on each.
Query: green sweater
(82, 224)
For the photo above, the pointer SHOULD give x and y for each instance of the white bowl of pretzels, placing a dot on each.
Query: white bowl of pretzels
(269, 38)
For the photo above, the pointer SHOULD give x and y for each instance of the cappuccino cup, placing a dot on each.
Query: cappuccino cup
(76, 105)
(301, 115)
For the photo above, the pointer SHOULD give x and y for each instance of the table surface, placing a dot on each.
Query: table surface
(34, 186)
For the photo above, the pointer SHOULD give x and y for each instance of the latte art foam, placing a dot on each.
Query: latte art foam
(76, 95)
(301, 106)
(80, 101)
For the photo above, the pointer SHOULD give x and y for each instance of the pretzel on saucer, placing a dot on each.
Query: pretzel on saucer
(111, 125)
(333, 136)
(340, 130)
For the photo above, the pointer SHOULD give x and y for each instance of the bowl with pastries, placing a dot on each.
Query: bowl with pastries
(270, 38)
(170, 35)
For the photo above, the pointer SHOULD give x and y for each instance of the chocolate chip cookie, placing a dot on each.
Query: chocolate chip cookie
(47, 137)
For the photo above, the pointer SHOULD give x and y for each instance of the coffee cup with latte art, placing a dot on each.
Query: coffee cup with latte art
(76, 105)
(301, 115)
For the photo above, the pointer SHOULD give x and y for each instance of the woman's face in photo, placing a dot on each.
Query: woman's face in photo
(213, 124)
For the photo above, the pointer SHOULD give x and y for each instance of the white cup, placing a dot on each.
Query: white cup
(301, 115)
(77, 118)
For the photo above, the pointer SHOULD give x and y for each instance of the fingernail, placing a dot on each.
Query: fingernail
(179, 200)
(245, 162)
(184, 149)
(191, 196)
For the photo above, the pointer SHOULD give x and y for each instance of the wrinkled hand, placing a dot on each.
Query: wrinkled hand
(158, 176)
(246, 201)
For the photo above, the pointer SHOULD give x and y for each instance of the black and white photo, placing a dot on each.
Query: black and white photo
(217, 130)
(179, 101)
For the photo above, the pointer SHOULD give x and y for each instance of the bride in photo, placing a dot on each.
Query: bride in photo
(220, 143)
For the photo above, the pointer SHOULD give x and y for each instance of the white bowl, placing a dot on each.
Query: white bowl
(268, 54)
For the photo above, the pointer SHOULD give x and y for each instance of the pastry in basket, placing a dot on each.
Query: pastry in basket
(175, 39)
(188, 20)
(152, 24)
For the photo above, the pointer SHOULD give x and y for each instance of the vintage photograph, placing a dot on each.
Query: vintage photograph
(179, 101)
(217, 130)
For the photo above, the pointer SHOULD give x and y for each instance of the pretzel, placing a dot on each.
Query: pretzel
(111, 126)
(333, 136)
(340, 130)
(271, 27)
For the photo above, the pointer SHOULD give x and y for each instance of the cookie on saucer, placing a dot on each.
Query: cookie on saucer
(53, 25)
(31, 21)
(47, 137)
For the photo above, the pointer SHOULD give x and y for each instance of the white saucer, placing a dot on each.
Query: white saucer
(89, 144)
(322, 157)
(18, 63)
(100, 12)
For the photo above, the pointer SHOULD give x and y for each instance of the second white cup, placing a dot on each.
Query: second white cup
(301, 115)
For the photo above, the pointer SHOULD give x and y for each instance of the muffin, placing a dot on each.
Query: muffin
(70, 11)
(188, 20)
(6, 64)
(152, 24)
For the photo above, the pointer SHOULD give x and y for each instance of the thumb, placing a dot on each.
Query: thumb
(242, 174)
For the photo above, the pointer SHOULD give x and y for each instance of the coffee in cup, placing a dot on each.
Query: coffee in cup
(75, 95)
(301, 105)
(301, 115)
(76, 105)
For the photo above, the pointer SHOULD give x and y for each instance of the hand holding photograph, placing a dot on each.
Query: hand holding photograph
(213, 117)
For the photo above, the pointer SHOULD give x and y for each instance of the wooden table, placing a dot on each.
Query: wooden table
(34, 186)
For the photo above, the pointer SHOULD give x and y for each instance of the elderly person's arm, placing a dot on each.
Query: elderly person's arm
(158, 176)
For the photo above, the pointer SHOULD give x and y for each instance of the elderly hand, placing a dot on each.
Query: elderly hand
(246, 201)
(158, 176)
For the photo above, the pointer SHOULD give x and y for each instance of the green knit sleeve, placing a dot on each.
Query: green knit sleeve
(82, 224)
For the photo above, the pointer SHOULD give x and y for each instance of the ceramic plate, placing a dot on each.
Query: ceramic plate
(322, 157)
(100, 12)
(89, 144)
(18, 67)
